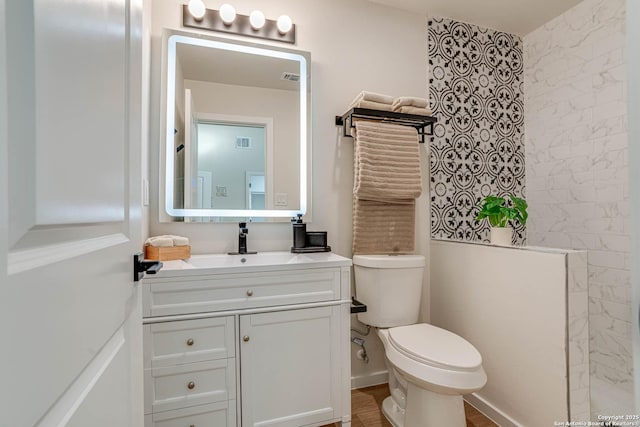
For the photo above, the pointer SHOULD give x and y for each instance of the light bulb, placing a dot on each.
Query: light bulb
(197, 9)
(227, 13)
(257, 19)
(284, 24)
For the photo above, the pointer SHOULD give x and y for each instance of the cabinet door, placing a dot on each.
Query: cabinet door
(290, 373)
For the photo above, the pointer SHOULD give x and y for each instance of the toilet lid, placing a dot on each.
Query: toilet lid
(435, 346)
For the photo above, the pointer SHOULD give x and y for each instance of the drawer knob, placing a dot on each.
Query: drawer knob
(249, 293)
(245, 338)
(191, 385)
(190, 342)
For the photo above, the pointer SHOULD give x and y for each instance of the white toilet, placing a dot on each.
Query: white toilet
(429, 368)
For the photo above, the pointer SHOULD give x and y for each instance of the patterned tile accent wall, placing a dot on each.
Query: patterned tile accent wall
(577, 175)
(475, 90)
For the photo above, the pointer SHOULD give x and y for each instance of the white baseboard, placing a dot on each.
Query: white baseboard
(490, 411)
(375, 378)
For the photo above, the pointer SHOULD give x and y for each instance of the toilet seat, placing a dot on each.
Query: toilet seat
(451, 351)
(441, 370)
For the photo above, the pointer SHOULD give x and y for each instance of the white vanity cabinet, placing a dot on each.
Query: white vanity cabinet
(253, 344)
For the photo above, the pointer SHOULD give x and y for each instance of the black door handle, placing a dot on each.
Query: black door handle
(141, 266)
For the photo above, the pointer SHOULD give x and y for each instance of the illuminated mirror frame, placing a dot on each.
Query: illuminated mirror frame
(173, 40)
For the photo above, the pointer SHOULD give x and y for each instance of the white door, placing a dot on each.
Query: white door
(70, 187)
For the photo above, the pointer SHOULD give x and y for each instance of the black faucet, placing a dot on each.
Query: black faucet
(242, 241)
(242, 238)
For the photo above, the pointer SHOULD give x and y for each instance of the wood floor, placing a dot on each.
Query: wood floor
(366, 404)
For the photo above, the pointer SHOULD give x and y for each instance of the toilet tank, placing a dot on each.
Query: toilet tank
(390, 286)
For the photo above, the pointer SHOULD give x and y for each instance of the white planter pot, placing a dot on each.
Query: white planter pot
(501, 236)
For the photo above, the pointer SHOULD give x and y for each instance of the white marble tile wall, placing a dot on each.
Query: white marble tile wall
(578, 325)
(576, 168)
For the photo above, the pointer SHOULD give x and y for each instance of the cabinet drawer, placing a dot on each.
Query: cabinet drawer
(188, 341)
(220, 414)
(191, 384)
(241, 291)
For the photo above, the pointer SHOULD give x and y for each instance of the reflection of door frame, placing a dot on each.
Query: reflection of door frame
(247, 187)
(204, 190)
(190, 150)
(267, 124)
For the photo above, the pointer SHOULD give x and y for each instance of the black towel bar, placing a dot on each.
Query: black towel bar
(418, 122)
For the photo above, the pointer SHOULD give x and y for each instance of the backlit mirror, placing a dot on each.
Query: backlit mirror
(236, 129)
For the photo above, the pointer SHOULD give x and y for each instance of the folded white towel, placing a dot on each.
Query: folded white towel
(410, 101)
(373, 97)
(159, 241)
(167, 240)
(371, 105)
(413, 110)
(180, 241)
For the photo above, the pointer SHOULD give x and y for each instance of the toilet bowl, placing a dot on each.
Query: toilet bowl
(437, 367)
(430, 368)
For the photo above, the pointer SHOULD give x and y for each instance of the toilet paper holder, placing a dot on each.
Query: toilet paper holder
(357, 306)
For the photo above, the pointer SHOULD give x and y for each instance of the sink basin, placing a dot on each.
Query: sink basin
(262, 261)
(261, 258)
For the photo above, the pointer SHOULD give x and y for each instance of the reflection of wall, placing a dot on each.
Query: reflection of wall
(260, 102)
(217, 153)
(179, 112)
(178, 139)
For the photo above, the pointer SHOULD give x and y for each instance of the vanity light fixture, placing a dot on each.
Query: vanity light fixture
(284, 24)
(227, 14)
(196, 15)
(257, 19)
(197, 9)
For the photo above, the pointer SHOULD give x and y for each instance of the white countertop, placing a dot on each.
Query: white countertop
(207, 264)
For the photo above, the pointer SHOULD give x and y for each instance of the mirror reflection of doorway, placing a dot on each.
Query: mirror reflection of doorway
(255, 190)
(203, 190)
(229, 152)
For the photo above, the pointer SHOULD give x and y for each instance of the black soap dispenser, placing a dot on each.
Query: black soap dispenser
(299, 233)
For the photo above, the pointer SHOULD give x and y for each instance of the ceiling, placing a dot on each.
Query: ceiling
(512, 16)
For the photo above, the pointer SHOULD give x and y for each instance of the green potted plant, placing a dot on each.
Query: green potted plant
(500, 214)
